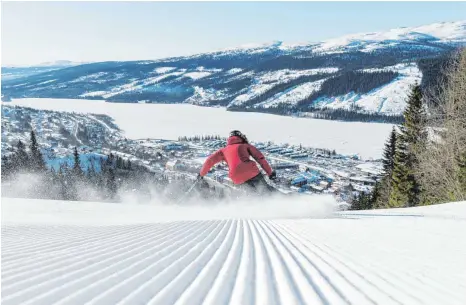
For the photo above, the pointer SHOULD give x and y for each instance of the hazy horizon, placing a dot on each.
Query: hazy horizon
(38, 32)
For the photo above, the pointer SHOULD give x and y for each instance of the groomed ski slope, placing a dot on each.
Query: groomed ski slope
(92, 253)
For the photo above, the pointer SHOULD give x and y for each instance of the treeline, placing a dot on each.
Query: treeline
(425, 157)
(237, 85)
(174, 94)
(433, 70)
(223, 102)
(400, 185)
(225, 83)
(356, 116)
(280, 109)
(344, 83)
(351, 115)
(281, 88)
(25, 174)
(348, 61)
(21, 160)
(111, 178)
(350, 81)
(201, 138)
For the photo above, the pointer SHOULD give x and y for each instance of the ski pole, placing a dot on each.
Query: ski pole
(187, 192)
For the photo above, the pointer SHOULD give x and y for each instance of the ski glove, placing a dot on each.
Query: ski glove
(199, 177)
(273, 175)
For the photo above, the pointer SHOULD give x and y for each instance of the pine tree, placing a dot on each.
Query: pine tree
(109, 161)
(37, 160)
(77, 170)
(55, 192)
(91, 172)
(400, 182)
(462, 172)
(68, 188)
(411, 139)
(60, 178)
(362, 201)
(375, 194)
(413, 130)
(100, 179)
(382, 190)
(356, 203)
(119, 162)
(111, 183)
(20, 160)
(389, 153)
(6, 167)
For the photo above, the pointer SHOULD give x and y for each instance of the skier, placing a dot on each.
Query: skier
(242, 170)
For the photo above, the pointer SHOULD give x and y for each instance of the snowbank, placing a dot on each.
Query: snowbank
(19, 210)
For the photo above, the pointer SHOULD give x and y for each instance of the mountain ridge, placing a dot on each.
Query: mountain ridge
(366, 72)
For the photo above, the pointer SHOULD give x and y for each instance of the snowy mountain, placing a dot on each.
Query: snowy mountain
(263, 252)
(56, 63)
(368, 72)
(13, 72)
(445, 32)
(10, 73)
(60, 63)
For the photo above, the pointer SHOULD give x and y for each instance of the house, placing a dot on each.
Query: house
(316, 188)
(172, 147)
(363, 180)
(304, 188)
(286, 151)
(278, 166)
(202, 155)
(299, 181)
(323, 184)
(174, 165)
(303, 168)
(274, 149)
(158, 155)
(299, 156)
(306, 177)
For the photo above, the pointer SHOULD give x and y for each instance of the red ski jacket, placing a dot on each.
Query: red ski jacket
(236, 154)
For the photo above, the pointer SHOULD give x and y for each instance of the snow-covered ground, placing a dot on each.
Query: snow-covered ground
(293, 95)
(390, 98)
(171, 121)
(443, 31)
(197, 75)
(287, 75)
(292, 252)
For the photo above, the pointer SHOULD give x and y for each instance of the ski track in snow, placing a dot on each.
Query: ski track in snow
(352, 258)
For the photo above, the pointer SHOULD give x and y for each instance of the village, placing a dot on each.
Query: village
(299, 169)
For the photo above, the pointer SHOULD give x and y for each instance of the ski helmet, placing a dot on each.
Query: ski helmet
(237, 133)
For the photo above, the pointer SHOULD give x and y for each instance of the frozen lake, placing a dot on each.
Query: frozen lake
(173, 120)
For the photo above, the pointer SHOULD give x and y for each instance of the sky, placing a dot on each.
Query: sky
(36, 32)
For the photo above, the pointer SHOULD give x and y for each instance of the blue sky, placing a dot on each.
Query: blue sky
(35, 32)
